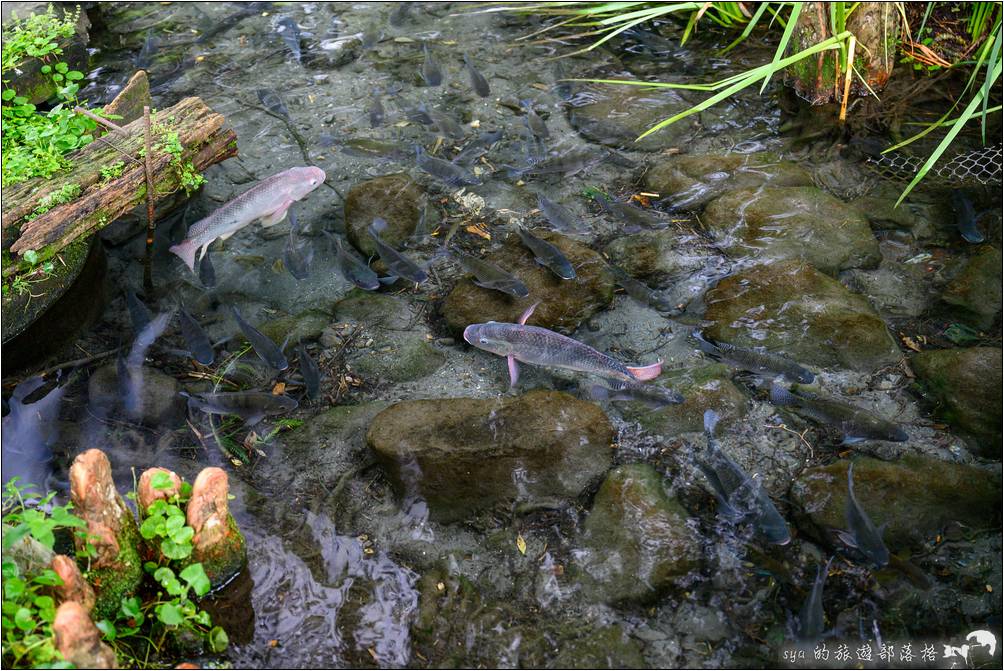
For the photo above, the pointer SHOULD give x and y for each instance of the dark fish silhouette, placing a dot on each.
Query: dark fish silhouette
(352, 267)
(556, 215)
(289, 31)
(652, 395)
(547, 254)
(376, 111)
(196, 340)
(251, 406)
(856, 424)
(535, 123)
(398, 264)
(131, 369)
(273, 102)
(965, 217)
(862, 533)
(310, 372)
(29, 431)
(145, 56)
(431, 73)
(477, 147)
(478, 82)
(207, 273)
(762, 363)
(811, 619)
(642, 293)
(449, 173)
(490, 276)
(263, 346)
(139, 313)
(298, 253)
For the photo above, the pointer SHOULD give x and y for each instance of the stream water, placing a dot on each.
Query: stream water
(351, 563)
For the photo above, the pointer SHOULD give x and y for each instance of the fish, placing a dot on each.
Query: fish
(478, 82)
(263, 346)
(139, 313)
(449, 173)
(547, 254)
(131, 368)
(568, 164)
(29, 431)
(352, 267)
(490, 276)
(214, 28)
(630, 214)
(652, 395)
(251, 406)
(556, 215)
(431, 73)
(400, 14)
(376, 111)
(642, 293)
(741, 498)
(856, 424)
(965, 217)
(310, 372)
(273, 102)
(297, 255)
(446, 126)
(398, 264)
(196, 340)
(535, 123)
(755, 361)
(563, 89)
(543, 347)
(811, 619)
(370, 37)
(420, 115)
(207, 273)
(289, 31)
(267, 201)
(477, 147)
(145, 56)
(862, 533)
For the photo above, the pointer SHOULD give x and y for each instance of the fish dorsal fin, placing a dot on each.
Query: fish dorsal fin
(526, 315)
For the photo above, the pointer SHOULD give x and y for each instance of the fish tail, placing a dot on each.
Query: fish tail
(704, 344)
(781, 396)
(643, 373)
(710, 421)
(599, 393)
(185, 250)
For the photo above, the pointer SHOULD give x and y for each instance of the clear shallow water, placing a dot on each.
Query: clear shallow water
(337, 558)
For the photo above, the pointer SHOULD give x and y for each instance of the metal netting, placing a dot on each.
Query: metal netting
(980, 166)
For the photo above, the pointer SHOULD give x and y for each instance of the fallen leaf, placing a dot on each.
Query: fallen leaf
(279, 388)
(910, 343)
(476, 230)
(520, 544)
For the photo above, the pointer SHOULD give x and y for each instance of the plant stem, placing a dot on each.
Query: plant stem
(847, 79)
(101, 120)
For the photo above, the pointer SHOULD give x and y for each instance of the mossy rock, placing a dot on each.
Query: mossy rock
(224, 559)
(792, 222)
(692, 181)
(792, 308)
(301, 327)
(397, 357)
(658, 257)
(704, 387)
(966, 386)
(623, 113)
(112, 583)
(637, 540)
(564, 304)
(975, 293)
(394, 198)
(916, 496)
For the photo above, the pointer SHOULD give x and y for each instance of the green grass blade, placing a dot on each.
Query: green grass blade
(782, 46)
(749, 27)
(927, 14)
(995, 57)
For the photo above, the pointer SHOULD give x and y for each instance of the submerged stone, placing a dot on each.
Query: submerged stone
(159, 404)
(966, 386)
(793, 222)
(894, 289)
(301, 327)
(692, 181)
(702, 387)
(564, 304)
(393, 198)
(659, 257)
(463, 454)
(929, 494)
(620, 114)
(637, 540)
(793, 309)
(975, 293)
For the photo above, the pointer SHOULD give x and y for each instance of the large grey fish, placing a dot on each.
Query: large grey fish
(451, 174)
(310, 372)
(431, 73)
(490, 276)
(263, 346)
(420, 115)
(289, 31)
(398, 264)
(811, 619)
(251, 406)
(642, 293)
(298, 253)
(139, 313)
(741, 497)
(446, 126)
(965, 217)
(652, 395)
(145, 57)
(29, 431)
(132, 366)
(207, 273)
(862, 533)
(273, 102)
(267, 201)
(556, 214)
(630, 214)
(547, 254)
(759, 362)
(534, 122)
(352, 267)
(196, 340)
(477, 147)
(856, 424)
(478, 82)
(542, 347)
(567, 164)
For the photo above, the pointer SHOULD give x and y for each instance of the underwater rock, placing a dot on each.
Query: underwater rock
(464, 454)
(116, 569)
(691, 181)
(301, 327)
(159, 405)
(217, 542)
(793, 309)
(331, 442)
(966, 385)
(74, 587)
(622, 113)
(658, 257)
(894, 289)
(637, 538)
(394, 198)
(703, 387)
(79, 641)
(146, 494)
(928, 495)
(564, 304)
(975, 293)
(792, 222)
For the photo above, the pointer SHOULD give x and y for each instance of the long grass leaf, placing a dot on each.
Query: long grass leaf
(782, 46)
(995, 56)
(749, 27)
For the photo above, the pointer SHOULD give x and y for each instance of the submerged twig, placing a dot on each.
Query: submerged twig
(150, 221)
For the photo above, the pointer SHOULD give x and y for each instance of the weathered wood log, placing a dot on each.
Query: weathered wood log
(204, 140)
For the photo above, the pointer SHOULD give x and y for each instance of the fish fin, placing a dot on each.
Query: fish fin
(781, 396)
(275, 217)
(513, 371)
(847, 538)
(254, 419)
(710, 421)
(852, 440)
(389, 279)
(185, 250)
(227, 236)
(526, 315)
(644, 373)
(706, 345)
(598, 392)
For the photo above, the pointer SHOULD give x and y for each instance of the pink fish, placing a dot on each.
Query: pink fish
(536, 345)
(267, 202)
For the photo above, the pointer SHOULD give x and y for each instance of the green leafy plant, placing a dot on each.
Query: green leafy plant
(189, 178)
(113, 171)
(61, 196)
